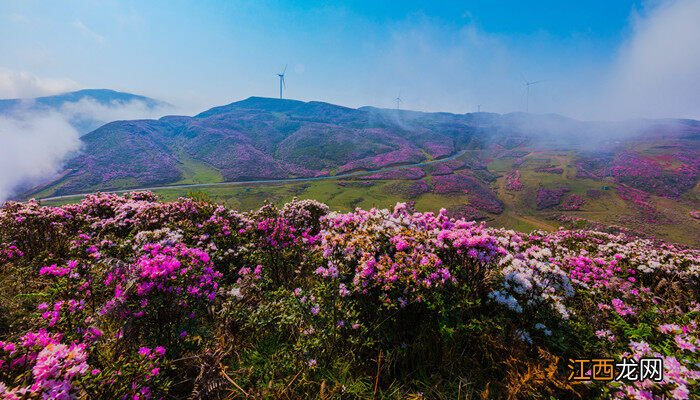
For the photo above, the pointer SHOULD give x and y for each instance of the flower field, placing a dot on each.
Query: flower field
(128, 297)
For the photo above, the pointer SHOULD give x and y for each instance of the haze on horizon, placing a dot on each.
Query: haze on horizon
(598, 60)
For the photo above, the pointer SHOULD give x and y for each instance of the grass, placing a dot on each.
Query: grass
(195, 171)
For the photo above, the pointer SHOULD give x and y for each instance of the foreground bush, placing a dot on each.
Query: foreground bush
(126, 297)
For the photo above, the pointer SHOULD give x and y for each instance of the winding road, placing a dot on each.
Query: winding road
(287, 180)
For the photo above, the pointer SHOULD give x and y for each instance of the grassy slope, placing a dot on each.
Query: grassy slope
(520, 209)
(195, 171)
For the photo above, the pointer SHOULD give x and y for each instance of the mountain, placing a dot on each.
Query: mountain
(256, 138)
(73, 104)
(517, 169)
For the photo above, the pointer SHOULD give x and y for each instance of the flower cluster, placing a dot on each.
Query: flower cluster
(8, 252)
(573, 203)
(168, 272)
(547, 198)
(478, 195)
(513, 181)
(52, 365)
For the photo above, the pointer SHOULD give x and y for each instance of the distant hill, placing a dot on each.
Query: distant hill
(83, 121)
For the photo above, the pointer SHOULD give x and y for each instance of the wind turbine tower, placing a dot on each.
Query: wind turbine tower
(282, 84)
(398, 102)
(527, 93)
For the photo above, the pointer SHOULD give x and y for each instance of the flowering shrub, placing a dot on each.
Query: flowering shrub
(547, 198)
(403, 155)
(444, 168)
(573, 203)
(478, 195)
(640, 201)
(134, 298)
(651, 174)
(513, 181)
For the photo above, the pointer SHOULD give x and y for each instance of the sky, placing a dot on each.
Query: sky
(596, 59)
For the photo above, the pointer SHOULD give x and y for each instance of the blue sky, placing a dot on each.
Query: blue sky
(449, 55)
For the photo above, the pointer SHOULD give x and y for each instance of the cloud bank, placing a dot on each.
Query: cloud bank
(88, 114)
(34, 148)
(657, 73)
(36, 142)
(22, 84)
(654, 71)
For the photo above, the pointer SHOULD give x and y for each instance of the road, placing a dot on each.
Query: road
(288, 180)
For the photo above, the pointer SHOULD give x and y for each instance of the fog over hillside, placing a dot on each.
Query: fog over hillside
(40, 134)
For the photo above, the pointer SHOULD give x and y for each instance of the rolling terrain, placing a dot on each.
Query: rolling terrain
(516, 170)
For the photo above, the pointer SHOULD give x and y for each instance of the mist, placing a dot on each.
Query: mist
(37, 142)
(652, 72)
(89, 114)
(34, 148)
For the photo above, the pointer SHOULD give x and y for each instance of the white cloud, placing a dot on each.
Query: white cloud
(37, 143)
(21, 84)
(658, 69)
(34, 148)
(90, 109)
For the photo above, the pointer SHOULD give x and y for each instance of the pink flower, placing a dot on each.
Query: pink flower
(681, 392)
(684, 344)
(669, 328)
(160, 350)
(621, 308)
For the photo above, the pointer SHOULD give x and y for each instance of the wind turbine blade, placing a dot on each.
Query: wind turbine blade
(532, 83)
(285, 69)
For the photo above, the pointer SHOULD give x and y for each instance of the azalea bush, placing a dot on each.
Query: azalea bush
(547, 198)
(513, 182)
(129, 297)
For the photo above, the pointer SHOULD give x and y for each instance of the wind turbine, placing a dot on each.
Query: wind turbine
(282, 84)
(398, 101)
(527, 92)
